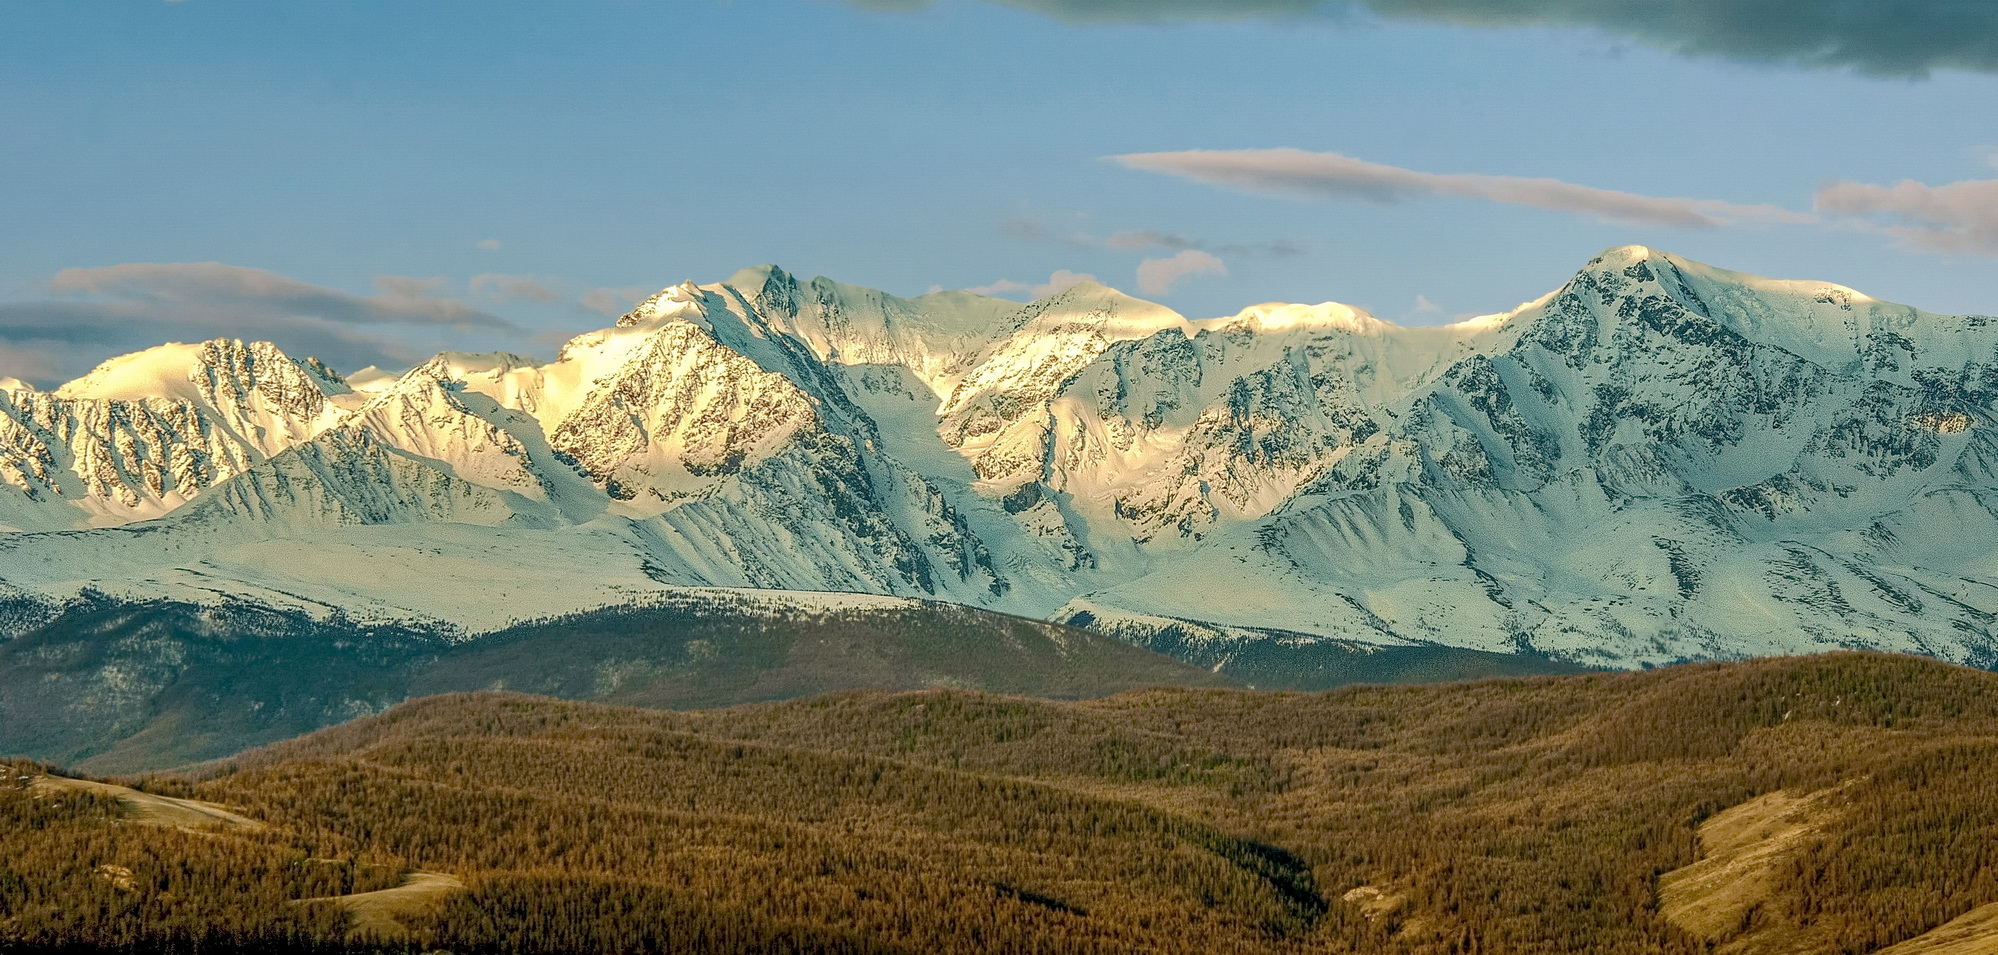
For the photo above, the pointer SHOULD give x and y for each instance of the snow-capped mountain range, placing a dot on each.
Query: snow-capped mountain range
(1658, 461)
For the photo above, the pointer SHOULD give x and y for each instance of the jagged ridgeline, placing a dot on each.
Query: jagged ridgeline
(1658, 461)
(1844, 803)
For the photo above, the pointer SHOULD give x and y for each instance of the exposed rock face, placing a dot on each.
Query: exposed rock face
(346, 477)
(1658, 461)
(145, 433)
(682, 411)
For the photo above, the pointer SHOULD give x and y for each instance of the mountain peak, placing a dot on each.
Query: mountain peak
(1087, 290)
(1627, 254)
(1281, 317)
(171, 370)
(1091, 310)
(755, 277)
(683, 302)
(371, 379)
(324, 376)
(1092, 297)
(458, 364)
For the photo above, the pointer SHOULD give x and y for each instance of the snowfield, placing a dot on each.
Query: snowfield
(1658, 461)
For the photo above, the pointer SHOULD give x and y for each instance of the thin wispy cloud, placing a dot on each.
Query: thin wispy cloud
(1001, 287)
(1956, 218)
(235, 288)
(49, 341)
(1147, 240)
(1061, 281)
(93, 313)
(1143, 240)
(407, 288)
(1298, 173)
(1029, 229)
(1156, 277)
(511, 288)
(1895, 38)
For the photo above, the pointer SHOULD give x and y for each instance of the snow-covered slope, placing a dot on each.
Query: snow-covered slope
(147, 432)
(1660, 460)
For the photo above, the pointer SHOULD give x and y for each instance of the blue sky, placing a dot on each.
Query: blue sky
(376, 180)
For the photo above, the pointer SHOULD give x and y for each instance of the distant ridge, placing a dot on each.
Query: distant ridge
(115, 687)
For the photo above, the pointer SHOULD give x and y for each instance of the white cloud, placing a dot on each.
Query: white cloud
(1424, 312)
(489, 245)
(999, 288)
(1295, 172)
(1156, 277)
(1958, 217)
(1060, 281)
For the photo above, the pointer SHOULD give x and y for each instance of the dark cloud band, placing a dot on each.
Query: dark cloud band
(49, 342)
(1879, 37)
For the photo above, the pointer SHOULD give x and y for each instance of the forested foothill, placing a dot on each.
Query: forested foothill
(1842, 804)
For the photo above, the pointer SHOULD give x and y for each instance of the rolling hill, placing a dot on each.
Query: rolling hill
(1840, 803)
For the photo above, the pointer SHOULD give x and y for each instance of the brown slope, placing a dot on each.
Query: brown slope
(1538, 815)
